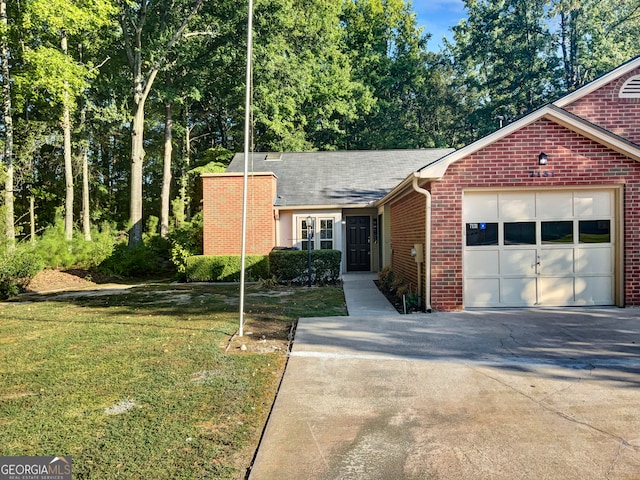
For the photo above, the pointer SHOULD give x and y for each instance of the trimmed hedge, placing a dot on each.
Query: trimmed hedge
(291, 266)
(287, 266)
(225, 268)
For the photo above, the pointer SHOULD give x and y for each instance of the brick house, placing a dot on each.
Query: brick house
(336, 191)
(543, 212)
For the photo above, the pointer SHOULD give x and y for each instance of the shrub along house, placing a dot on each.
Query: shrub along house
(543, 212)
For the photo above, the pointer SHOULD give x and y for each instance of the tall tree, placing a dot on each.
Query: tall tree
(66, 133)
(60, 19)
(107, 133)
(569, 13)
(8, 126)
(305, 90)
(183, 82)
(84, 160)
(165, 198)
(595, 36)
(388, 52)
(504, 54)
(151, 31)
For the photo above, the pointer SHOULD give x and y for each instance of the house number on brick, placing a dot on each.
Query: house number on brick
(544, 173)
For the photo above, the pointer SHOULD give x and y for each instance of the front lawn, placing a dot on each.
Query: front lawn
(141, 383)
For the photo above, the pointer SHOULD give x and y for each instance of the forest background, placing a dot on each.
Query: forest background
(111, 109)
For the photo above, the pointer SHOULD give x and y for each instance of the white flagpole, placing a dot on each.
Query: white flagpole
(247, 119)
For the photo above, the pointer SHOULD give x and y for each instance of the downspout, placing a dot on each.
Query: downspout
(427, 244)
(276, 219)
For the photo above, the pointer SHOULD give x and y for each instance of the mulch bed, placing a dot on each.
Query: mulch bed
(393, 299)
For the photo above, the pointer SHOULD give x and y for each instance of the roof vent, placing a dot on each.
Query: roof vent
(631, 88)
(273, 157)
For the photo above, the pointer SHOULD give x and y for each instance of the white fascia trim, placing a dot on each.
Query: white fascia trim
(238, 174)
(437, 170)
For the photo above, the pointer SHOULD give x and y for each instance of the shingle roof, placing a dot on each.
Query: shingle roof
(348, 177)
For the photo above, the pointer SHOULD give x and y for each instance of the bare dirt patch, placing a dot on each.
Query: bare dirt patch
(73, 283)
(56, 280)
(261, 337)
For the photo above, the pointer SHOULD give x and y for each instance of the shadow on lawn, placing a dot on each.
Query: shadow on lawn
(190, 307)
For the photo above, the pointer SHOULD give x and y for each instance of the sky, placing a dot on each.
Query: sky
(437, 17)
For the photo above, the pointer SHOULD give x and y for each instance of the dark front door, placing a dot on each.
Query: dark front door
(358, 243)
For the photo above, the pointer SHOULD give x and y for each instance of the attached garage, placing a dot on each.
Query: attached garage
(539, 248)
(544, 212)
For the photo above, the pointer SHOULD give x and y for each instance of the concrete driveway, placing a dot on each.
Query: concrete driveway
(500, 394)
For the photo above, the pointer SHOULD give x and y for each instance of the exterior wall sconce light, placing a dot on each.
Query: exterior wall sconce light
(542, 158)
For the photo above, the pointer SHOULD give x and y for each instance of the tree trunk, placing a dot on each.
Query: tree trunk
(84, 155)
(184, 180)
(569, 44)
(137, 157)
(32, 218)
(166, 173)
(141, 93)
(86, 217)
(68, 174)
(68, 167)
(10, 232)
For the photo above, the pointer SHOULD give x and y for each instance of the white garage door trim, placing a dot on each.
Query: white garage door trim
(539, 247)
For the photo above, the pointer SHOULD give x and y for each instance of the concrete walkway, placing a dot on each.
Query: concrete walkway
(363, 297)
(498, 394)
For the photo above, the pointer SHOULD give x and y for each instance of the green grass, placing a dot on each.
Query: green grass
(196, 411)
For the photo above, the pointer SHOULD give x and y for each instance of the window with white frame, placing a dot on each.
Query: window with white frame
(303, 229)
(326, 233)
(323, 230)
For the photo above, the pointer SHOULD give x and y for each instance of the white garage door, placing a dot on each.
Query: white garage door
(538, 248)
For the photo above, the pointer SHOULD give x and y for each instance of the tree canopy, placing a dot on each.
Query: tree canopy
(136, 97)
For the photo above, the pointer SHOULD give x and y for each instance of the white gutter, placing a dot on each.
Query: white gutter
(427, 243)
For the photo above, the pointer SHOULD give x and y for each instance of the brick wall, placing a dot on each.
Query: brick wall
(222, 212)
(407, 228)
(603, 107)
(574, 161)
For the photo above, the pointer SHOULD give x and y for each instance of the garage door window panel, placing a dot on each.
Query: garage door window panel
(482, 234)
(595, 231)
(520, 233)
(557, 232)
